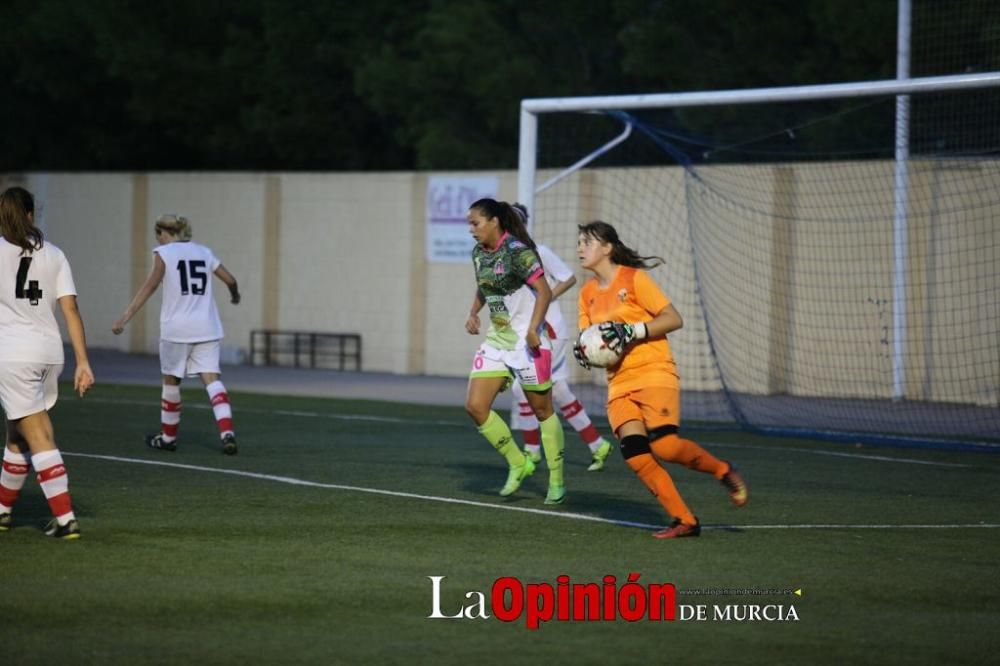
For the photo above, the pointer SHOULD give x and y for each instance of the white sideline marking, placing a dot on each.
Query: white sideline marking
(542, 512)
(838, 454)
(463, 424)
(297, 413)
(357, 417)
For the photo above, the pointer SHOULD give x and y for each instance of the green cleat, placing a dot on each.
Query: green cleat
(600, 455)
(556, 494)
(6, 522)
(536, 455)
(516, 476)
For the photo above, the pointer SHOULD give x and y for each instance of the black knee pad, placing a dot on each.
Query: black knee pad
(634, 445)
(662, 431)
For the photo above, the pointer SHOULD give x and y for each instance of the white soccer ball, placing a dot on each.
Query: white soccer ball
(596, 350)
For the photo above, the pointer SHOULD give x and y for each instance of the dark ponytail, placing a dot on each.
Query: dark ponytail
(16, 203)
(513, 219)
(621, 254)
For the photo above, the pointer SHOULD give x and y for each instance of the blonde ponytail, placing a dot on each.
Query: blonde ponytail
(178, 225)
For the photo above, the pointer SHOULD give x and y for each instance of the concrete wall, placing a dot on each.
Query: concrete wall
(89, 216)
(346, 253)
(322, 252)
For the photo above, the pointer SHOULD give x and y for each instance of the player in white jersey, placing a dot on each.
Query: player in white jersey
(190, 329)
(34, 276)
(522, 416)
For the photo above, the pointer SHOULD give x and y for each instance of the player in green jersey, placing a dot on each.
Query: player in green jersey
(510, 282)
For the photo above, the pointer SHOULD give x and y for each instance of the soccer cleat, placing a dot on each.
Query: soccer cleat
(600, 455)
(6, 522)
(157, 442)
(229, 444)
(556, 494)
(70, 530)
(677, 529)
(536, 456)
(516, 476)
(736, 486)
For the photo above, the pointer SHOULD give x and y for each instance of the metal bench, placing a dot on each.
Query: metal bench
(306, 349)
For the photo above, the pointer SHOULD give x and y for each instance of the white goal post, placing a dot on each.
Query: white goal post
(528, 185)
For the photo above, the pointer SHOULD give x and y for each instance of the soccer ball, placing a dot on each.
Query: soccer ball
(596, 350)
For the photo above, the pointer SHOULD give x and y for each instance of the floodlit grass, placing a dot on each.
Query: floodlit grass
(187, 565)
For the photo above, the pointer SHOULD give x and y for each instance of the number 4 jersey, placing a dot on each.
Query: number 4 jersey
(188, 313)
(30, 285)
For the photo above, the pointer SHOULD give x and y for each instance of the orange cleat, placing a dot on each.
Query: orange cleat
(678, 529)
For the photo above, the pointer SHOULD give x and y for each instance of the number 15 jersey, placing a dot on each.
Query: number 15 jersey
(188, 313)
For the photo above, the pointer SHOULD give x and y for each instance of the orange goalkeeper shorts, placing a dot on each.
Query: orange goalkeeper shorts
(655, 406)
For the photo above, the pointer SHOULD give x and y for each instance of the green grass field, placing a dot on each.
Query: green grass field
(298, 558)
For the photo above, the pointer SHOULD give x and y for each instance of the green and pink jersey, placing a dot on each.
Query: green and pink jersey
(501, 274)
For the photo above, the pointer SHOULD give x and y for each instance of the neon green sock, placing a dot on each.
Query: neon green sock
(552, 442)
(498, 434)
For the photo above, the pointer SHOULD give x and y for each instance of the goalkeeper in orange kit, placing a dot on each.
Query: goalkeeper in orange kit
(643, 388)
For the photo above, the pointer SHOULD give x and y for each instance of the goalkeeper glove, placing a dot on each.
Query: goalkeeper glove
(617, 335)
(580, 357)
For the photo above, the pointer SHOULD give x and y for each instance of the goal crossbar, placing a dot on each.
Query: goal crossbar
(531, 107)
(761, 95)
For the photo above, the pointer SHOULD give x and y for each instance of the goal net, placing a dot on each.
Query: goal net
(828, 286)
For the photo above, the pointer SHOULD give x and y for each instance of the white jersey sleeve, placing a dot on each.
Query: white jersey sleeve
(556, 271)
(30, 286)
(188, 313)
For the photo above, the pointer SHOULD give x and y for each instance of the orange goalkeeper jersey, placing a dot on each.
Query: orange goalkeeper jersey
(631, 297)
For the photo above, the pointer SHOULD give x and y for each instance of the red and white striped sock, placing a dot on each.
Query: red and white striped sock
(12, 478)
(577, 417)
(221, 407)
(170, 411)
(573, 411)
(51, 474)
(527, 422)
(533, 440)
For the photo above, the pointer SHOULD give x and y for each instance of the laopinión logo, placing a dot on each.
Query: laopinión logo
(510, 600)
